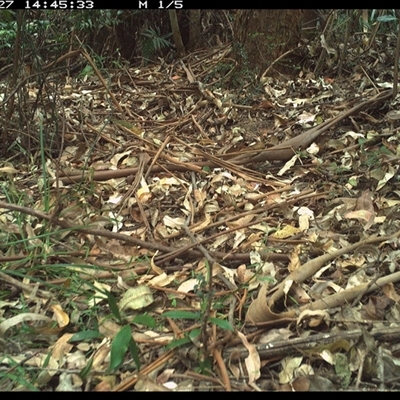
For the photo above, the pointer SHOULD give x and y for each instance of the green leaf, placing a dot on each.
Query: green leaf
(221, 323)
(24, 384)
(386, 18)
(353, 182)
(119, 347)
(134, 352)
(85, 335)
(177, 343)
(181, 315)
(87, 71)
(112, 302)
(193, 334)
(205, 366)
(47, 360)
(86, 369)
(144, 319)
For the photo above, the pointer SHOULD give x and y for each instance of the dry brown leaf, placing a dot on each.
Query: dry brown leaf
(315, 317)
(62, 347)
(364, 209)
(252, 361)
(259, 311)
(391, 292)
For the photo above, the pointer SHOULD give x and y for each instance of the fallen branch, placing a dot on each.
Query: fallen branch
(179, 252)
(283, 348)
(281, 152)
(263, 307)
(286, 150)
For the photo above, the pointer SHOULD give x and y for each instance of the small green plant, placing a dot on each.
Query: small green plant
(154, 42)
(194, 315)
(373, 156)
(220, 74)
(196, 335)
(123, 342)
(16, 375)
(87, 71)
(7, 34)
(390, 20)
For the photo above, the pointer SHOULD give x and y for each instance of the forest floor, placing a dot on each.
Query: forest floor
(155, 251)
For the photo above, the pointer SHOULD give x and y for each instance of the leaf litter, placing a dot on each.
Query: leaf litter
(195, 242)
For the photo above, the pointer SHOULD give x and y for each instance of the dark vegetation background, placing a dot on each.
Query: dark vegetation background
(44, 47)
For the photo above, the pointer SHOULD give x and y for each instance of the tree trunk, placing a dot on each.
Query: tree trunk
(261, 36)
(194, 29)
(176, 33)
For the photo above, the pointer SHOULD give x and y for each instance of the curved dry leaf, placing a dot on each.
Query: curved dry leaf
(162, 280)
(289, 164)
(253, 362)
(304, 223)
(202, 224)
(240, 221)
(143, 193)
(146, 385)
(154, 267)
(8, 170)
(274, 335)
(239, 238)
(188, 286)
(391, 292)
(9, 323)
(219, 241)
(363, 210)
(61, 316)
(260, 311)
(100, 356)
(288, 283)
(387, 177)
(311, 383)
(295, 259)
(315, 317)
(229, 273)
(313, 149)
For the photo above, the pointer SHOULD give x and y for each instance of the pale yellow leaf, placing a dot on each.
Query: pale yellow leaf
(8, 170)
(171, 222)
(61, 316)
(286, 232)
(162, 280)
(136, 298)
(289, 366)
(252, 361)
(188, 286)
(154, 267)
